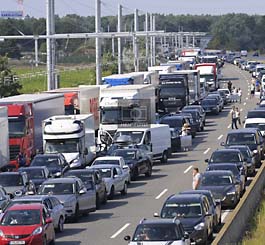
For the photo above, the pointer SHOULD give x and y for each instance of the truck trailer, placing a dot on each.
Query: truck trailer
(4, 144)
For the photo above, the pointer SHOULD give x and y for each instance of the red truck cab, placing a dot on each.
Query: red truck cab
(71, 103)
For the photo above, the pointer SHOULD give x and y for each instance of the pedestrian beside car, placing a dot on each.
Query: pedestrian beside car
(229, 86)
(239, 93)
(196, 178)
(252, 90)
(185, 131)
(238, 116)
(234, 117)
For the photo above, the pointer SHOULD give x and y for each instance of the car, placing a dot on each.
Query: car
(55, 163)
(115, 178)
(114, 160)
(215, 206)
(88, 176)
(72, 193)
(193, 211)
(26, 224)
(138, 161)
(256, 113)
(227, 93)
(198, 121)
(52, 203)
(17, 184)
(219, 99)
(256, 123)
(175, 140)
(248, 155)
(234, 169)
(224, 186)
(159, 231)
(229, 156)
(36, 174)
(200, 110)
(4, 199)
(210, 105)
(247, 136)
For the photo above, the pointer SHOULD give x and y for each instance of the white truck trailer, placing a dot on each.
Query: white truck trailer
(125, 106)
(4, 144)
(71, 135)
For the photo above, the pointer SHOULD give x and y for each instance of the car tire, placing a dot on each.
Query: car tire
(112, 192)
(76, 215)
(97, 202)
(124, 191)
(60, 227)
(149, 172)
(105, 197)
(164, 157)
(135, 173)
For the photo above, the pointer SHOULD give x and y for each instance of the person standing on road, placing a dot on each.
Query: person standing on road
(234, 118)
(239, 95)
(229, 86)
(252, 90)
(196, 180)
(238, 116)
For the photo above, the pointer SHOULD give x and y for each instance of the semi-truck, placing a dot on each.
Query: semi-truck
(71, 135)
(126, 105)
(168, 68)
(4, 146)
(25, 115)
(210, 73)
(173, 92)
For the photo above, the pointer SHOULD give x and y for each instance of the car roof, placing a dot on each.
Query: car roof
(218, 172)
(109, 158)
(159, 221)
(238, 147)
(186, 197)
(196, 192)
(226, 150)
(100, 166)
(77, 170)
(36, 206)
(10, 173)
(32, 167)
(30, 197)
(61, 180)
(178, 116)
(212, 165)
(243, 130)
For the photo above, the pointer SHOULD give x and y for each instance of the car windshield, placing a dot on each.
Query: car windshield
(186, 210)
(57, 189)
(216, 180)
(126, 154)
(135, 136)
(11, 180)
(21, 217)
(105, 172)
(157, 232)
(208, 102)
(103, 162)
(84, 176)
(232, 168)
(241, 139)
(49, 162)
(245, 152)
(62, 146)
(172, 122)
(35, 173)
(218, 157)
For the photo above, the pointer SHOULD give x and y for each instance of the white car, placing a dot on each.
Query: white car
(256, 123)
(114, 160)
(227, 94)
(115, 178)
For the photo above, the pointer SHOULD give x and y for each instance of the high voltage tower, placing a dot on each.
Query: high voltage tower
(180, 39)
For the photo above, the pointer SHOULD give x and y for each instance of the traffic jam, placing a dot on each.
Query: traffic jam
(65, 153)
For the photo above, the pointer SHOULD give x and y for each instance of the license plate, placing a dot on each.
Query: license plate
(17, 242)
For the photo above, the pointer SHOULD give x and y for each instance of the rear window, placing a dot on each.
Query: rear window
(241, 139)
(256, 114)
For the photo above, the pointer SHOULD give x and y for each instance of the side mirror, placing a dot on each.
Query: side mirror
(222, 144)
(82, 192)
(206, 160)
(156, 215)
(125, 167)
(186, 236)
(115, 176)
(127, 238)
(255, 152)
(86, 151)
(48, 220)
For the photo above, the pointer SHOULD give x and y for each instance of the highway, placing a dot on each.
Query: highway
(120, 216)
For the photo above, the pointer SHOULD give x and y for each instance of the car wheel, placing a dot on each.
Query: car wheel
(76, 215)
(105, 197)
(112, 192)
(164, 157)
(124, 191)
(60, 227)
(97, 202)
(149, 172)
(135, 174)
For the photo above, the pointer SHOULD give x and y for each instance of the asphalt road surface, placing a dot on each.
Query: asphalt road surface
(120, 216)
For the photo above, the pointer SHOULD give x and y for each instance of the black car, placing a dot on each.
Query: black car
(239, 175)
(229, 156)
(175, 140)
(257, 113)
(247, 136)
(17, 184)
(215, 206)
(219, 99)
(248, 155)
(200, 109)
(94, 176)
(138, 161)
(36, 174)
(224, 186)
(222, 94)
(210, 106)
(193, 211)
(196, 118)
(55, 163)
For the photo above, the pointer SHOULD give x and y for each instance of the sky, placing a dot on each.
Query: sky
(36, 8)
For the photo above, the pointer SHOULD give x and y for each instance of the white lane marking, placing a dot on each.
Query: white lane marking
(224, 215)
(229, 126)
(241, 109)
(245, 103)
(220, 137)
(188, 169)
(161, 194)
(206, 151)
(120, 231)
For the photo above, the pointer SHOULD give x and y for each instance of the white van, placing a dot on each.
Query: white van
(157, 138)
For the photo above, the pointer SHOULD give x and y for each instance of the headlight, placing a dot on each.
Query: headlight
(200, 226)
(2, 233)
(58, 174)
(18, 193)
(37, 231)
(231, 193)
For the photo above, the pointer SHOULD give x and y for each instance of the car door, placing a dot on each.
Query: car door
(119, 178)
(48, 204)
(48, 227)
(125, 167)
(208, 218)
(83, 199)
(100, 187)
(91, 192)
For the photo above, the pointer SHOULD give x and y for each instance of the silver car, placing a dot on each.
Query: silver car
(73, 194)
(115, 178)
(52, 203)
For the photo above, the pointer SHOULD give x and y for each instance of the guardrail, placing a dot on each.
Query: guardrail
(235, 226)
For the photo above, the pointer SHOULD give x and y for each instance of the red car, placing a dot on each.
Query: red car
(26, 224)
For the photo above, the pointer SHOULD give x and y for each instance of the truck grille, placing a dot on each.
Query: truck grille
(14, 150)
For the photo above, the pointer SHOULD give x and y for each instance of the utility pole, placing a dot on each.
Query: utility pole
(98, 41)
(154, 39)
(136, 47)
(53, 44)
(48, 45)
(151, 41)
(36, 52)
(146, 41)
(119, 39)
(113, 46)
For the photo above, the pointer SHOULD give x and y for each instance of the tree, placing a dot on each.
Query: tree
(9, 84)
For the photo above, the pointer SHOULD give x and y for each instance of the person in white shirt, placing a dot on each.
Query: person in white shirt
(233, 117)
(196, 180)
(239, 93)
